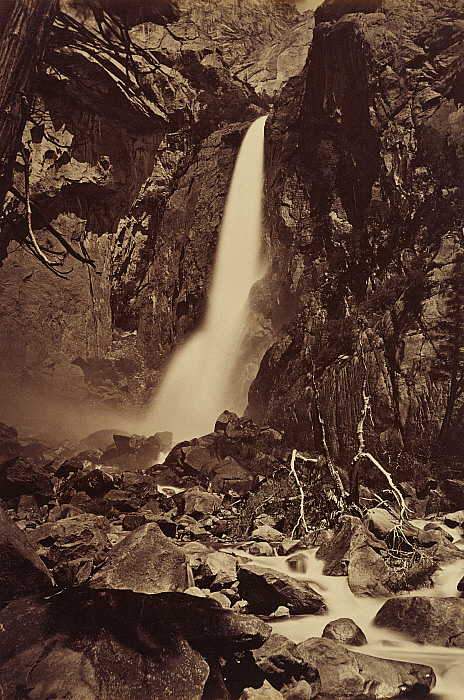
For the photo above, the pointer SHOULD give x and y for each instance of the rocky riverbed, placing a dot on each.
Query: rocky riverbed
(132, 570)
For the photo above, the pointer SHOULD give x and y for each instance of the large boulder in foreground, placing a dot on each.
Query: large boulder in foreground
(118, 645)
(146, 561)
(437, 621)
(266, 589)
(22, 570)
(348, 674)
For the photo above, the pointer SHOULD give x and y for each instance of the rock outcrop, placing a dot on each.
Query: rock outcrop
(364, 209)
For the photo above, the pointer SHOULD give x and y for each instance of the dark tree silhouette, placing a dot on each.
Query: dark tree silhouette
(25, 27)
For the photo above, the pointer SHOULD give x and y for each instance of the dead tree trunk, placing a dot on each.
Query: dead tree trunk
(25, 26)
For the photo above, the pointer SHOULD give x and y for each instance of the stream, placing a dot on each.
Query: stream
(447, 663)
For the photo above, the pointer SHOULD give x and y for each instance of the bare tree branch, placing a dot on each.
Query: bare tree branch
(69, 249)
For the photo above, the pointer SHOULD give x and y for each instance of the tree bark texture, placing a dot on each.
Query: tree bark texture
(25, 26)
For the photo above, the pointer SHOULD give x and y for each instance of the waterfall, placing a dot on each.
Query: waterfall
(196, 388)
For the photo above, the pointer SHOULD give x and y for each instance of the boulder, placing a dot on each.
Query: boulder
(346, 674)
(98, 647)
(261, 549)
(265, 692)
(217, 570)
(18, 477)
(265, 533)
(94, 483)
(22, 570)
(132, 521)
(79, 537)
(146, 561)
(454, 519)
(199, 503)
(28, 508)
(74, 572)
(230, 476)
(10, 447)
(345, 631)
(266, 589)
(280, 663)
(437, 621)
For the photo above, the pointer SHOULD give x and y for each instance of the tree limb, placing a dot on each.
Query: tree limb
(51, 229)
(361, 453)
(301, 519)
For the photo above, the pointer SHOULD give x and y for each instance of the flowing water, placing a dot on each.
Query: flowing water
(448, 663)
(197, 386)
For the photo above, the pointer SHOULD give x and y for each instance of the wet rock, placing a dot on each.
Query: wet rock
(345, 673)
(298, 563)
(454, 519)
(282, 611)
(345, 631)
(286, 546)
(261, 549)
(18, 478)
(266, 589)
(78, 537)
(146, 561)
(22, 570)
(437, 621)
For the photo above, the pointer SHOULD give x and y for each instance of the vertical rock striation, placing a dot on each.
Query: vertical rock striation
(364, 199)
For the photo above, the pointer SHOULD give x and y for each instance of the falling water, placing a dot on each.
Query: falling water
(196, 387)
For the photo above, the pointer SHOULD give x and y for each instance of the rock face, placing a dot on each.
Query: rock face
(364, 208)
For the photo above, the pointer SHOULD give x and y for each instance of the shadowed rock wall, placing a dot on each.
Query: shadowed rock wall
(364, 199)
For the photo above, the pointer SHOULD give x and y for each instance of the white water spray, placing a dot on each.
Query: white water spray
(196, 387)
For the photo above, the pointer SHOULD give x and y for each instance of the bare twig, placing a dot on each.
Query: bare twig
(340, 496)
(301, 519)
(361, 453)
(69, 249)
(40, 254)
